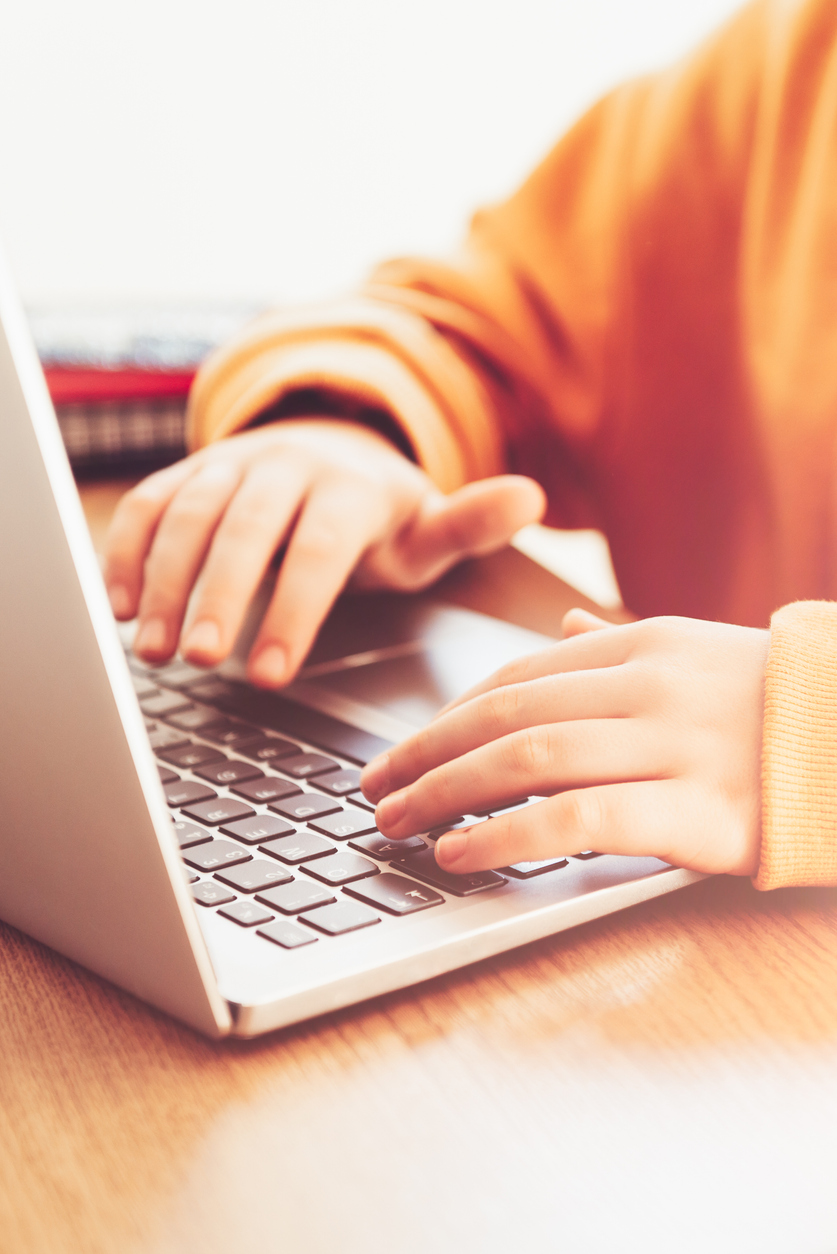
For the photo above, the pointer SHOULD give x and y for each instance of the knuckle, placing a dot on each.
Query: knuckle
(499, 709)
(528, 753)
(585, 815)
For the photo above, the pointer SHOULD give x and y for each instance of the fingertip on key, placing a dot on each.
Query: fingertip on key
(120, 600)
(374, 778)
(203, 642)
(152, 638)
(391, 811)
(269, 668)
(451, 848)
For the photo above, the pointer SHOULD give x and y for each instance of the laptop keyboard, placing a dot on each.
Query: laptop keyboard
(275, 834)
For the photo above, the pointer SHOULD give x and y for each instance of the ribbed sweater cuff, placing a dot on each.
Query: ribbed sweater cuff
(799, 762)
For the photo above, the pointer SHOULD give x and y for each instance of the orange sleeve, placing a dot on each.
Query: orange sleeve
(799, 763)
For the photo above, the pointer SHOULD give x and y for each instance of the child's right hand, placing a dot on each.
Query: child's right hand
(338, 495)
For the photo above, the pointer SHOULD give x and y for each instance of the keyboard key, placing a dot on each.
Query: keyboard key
(167, 776)
(342, 917)
(184, 792)
(227, 772)
(358, 799)
(267, 789)
(208, 893)
(163, 703)
(425, 867)
(189, 834)
(296, 848)
(189, 876)
(307, 805)
(345, 824)
(377, 846)
(143, 686)
(342, 869)
(527, 870)
(296, 896)
(178, 673)
(340, 783)
(227, 732)
(189, 755)
(246, 913)
(585, 854)
(221, 810)
(450, 826)
(396, 894)
(193, 717)
(257, 828)
(209, 688)
(216, 853)
(254, 875)
(162, 737)
(301, 765)
(269, 749)
(286, 934)
(289, 718)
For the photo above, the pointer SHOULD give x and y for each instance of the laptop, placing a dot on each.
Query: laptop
(204, 845)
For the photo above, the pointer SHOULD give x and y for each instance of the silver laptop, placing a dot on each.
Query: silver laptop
(204, 845)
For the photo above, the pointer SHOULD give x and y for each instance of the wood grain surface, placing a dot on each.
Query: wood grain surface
(661, 1080)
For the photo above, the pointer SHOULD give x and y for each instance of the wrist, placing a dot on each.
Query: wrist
(324, 403)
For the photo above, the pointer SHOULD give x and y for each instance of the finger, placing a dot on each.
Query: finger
(551, 699)
(589, 651)
(334, 529)
(253, 527)
(577, 621)
(132, 530)
(176, 555)
(538, 761)
(649, 818)
(474, 520)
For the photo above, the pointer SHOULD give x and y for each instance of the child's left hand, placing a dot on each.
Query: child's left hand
(644, 739)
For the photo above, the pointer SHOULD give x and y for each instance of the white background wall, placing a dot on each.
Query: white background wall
(182, 149)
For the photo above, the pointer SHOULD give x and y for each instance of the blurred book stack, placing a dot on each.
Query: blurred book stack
(119, 378)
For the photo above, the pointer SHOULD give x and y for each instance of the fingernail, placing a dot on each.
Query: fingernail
(391, 810)
(120, 602)
(374, 778)
(151, 637)
(270, 667)
(450, 848)
(204, 638)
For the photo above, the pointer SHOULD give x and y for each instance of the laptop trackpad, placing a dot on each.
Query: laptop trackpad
(409, 656)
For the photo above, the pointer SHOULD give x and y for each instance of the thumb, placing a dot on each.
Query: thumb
(470, 522)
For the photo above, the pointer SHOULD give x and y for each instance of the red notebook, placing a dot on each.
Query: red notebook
(119, 377)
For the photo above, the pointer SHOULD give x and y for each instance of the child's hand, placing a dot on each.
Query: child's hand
(644, 739)
(341, 498)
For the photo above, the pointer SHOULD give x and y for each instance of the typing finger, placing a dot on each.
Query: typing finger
(538, 761)
(647, 818)
(253, 527)
(334, 528)
(592, 650)
(132, 530)
(550, 699)
(178, 549)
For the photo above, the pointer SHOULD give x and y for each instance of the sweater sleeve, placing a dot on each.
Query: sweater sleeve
(799, 761)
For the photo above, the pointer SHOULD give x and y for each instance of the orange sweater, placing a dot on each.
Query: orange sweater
(649, 328)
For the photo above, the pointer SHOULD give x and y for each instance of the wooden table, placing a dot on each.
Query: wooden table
(661, 1080)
